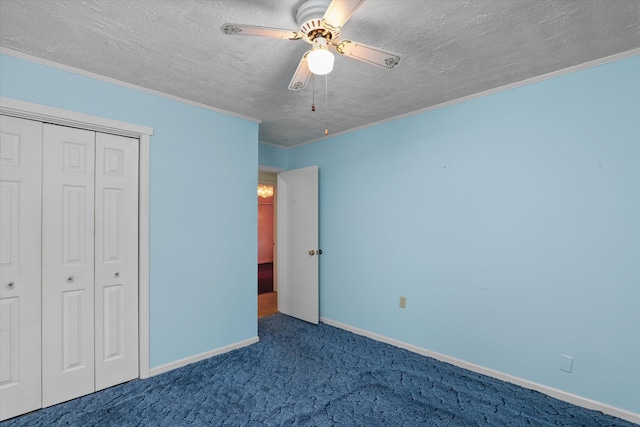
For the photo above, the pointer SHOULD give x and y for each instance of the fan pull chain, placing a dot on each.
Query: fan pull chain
(313, 90)
(326, 105)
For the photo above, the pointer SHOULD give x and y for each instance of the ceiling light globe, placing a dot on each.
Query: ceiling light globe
(320, 60)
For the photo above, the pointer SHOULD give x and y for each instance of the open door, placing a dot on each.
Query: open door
(297, 230)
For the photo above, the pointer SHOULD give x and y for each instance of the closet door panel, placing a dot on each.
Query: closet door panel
(67, 264)
(116, 269)
(20, 261)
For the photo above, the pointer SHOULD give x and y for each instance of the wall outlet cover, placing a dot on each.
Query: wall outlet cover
(403, 302)
(566, 363)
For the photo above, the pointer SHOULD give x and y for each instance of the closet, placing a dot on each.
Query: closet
(68, 263)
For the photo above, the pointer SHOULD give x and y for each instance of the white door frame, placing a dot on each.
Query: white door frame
(42, 113)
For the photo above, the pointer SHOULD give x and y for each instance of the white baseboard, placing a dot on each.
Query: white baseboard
(198, 357)
(549, 391)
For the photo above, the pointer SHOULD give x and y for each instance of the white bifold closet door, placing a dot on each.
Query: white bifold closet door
(116, 260)
(90, 262)
(68, 263)
(20, 311)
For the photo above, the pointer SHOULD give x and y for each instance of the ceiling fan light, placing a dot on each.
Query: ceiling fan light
(320, 60)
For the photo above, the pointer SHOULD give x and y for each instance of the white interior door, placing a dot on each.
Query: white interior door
(20, 261)
(67, 264)
(297, 218)
(116, 260)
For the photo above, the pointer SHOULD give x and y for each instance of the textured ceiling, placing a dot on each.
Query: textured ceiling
(449, 49)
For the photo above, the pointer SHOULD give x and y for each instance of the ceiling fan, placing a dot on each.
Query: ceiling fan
(320, 22)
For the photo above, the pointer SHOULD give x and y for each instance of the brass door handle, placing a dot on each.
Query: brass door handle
(312, 252)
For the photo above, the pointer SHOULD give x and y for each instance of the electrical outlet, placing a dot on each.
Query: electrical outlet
(403, 302)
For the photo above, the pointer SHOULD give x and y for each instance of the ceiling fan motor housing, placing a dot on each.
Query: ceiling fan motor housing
(309, 19)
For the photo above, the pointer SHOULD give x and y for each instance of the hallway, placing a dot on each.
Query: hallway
(267, 304)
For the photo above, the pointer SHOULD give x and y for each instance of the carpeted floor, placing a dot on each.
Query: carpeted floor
(316, 375)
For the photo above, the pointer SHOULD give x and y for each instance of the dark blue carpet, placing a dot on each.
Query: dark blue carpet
(316, 375)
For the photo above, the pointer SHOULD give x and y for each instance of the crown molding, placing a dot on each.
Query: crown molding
(542, 77)
(553, 74)
(83, 73)
(272, 144)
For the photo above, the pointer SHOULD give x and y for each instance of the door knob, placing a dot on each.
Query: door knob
(319, 251)
(70, 279)
(312, 252)
(117, 274)
(11, 285)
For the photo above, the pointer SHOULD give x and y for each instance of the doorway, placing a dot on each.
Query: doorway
(266, 280)
(295, 243)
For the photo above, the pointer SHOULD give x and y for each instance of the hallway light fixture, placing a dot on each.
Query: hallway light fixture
(265, 191)
(320, 60)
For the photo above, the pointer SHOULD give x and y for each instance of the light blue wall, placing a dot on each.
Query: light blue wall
(203, 217)
(511, 223)
(272, 156)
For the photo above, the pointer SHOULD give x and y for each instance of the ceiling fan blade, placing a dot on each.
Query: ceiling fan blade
(302, 74)
(252, 30)
(339, 12)
(372, 55)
